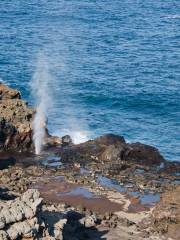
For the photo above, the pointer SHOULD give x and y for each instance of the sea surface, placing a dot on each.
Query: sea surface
(113, 66)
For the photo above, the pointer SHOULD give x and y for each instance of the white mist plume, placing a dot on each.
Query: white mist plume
(40, 91)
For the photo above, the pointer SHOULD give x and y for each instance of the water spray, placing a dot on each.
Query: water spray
(40, 92)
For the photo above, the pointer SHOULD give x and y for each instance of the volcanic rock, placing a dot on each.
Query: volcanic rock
(66, 140)
(16, 131)
(112, 148)
(24, 218)
(143, 154)
(15, 125)
(18, 217)
(166, 215)
(109, 139)
(8, 93)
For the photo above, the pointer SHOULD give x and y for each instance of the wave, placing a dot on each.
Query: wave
(172, 17)
(3, 81)
(76, 135)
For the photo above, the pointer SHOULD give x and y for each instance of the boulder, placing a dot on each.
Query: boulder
(143, 154)
(109, 139)
(66, 140)
(51, 141)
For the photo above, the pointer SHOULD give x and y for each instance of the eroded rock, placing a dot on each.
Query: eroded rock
(16, 130)
(22, 208)
(24, 217)
(166, 215)
(15, 125)
(8, 93)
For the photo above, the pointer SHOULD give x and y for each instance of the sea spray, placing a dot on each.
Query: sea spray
(40, 92)
(77, 134)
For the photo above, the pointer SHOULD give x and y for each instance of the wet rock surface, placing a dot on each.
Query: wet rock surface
(112, 148)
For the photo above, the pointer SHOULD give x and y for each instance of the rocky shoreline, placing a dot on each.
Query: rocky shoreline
(104, 188)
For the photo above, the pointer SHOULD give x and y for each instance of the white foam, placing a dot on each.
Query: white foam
(79, 137)
(172, 17)
(3, 81)
(76, 135)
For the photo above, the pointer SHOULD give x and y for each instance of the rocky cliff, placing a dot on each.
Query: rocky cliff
(15, 120)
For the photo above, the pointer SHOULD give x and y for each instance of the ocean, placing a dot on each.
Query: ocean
(113, 66)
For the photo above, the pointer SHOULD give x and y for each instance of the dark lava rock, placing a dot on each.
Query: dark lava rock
(66, 140)
(112, 149)
(101, 149)
(113, 153)
(143, 154)
(109, 139)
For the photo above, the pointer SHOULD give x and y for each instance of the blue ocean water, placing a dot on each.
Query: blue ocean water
(114, 65)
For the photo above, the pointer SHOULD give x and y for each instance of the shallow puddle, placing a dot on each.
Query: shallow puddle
(139, 170)
(58, 191)
(150, 198)
(109, 183)
(146, 198)
(176, 181)
(52, 161)
(78, 191)
(177, 174)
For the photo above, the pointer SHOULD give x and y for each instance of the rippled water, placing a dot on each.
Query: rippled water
(114, 65)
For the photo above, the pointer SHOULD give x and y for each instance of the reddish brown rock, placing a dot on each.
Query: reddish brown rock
(8, 93)
(166, 215)
(15, 125)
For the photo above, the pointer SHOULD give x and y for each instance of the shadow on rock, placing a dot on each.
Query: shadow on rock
(80, 227)
(6, 162)
(4, 194)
